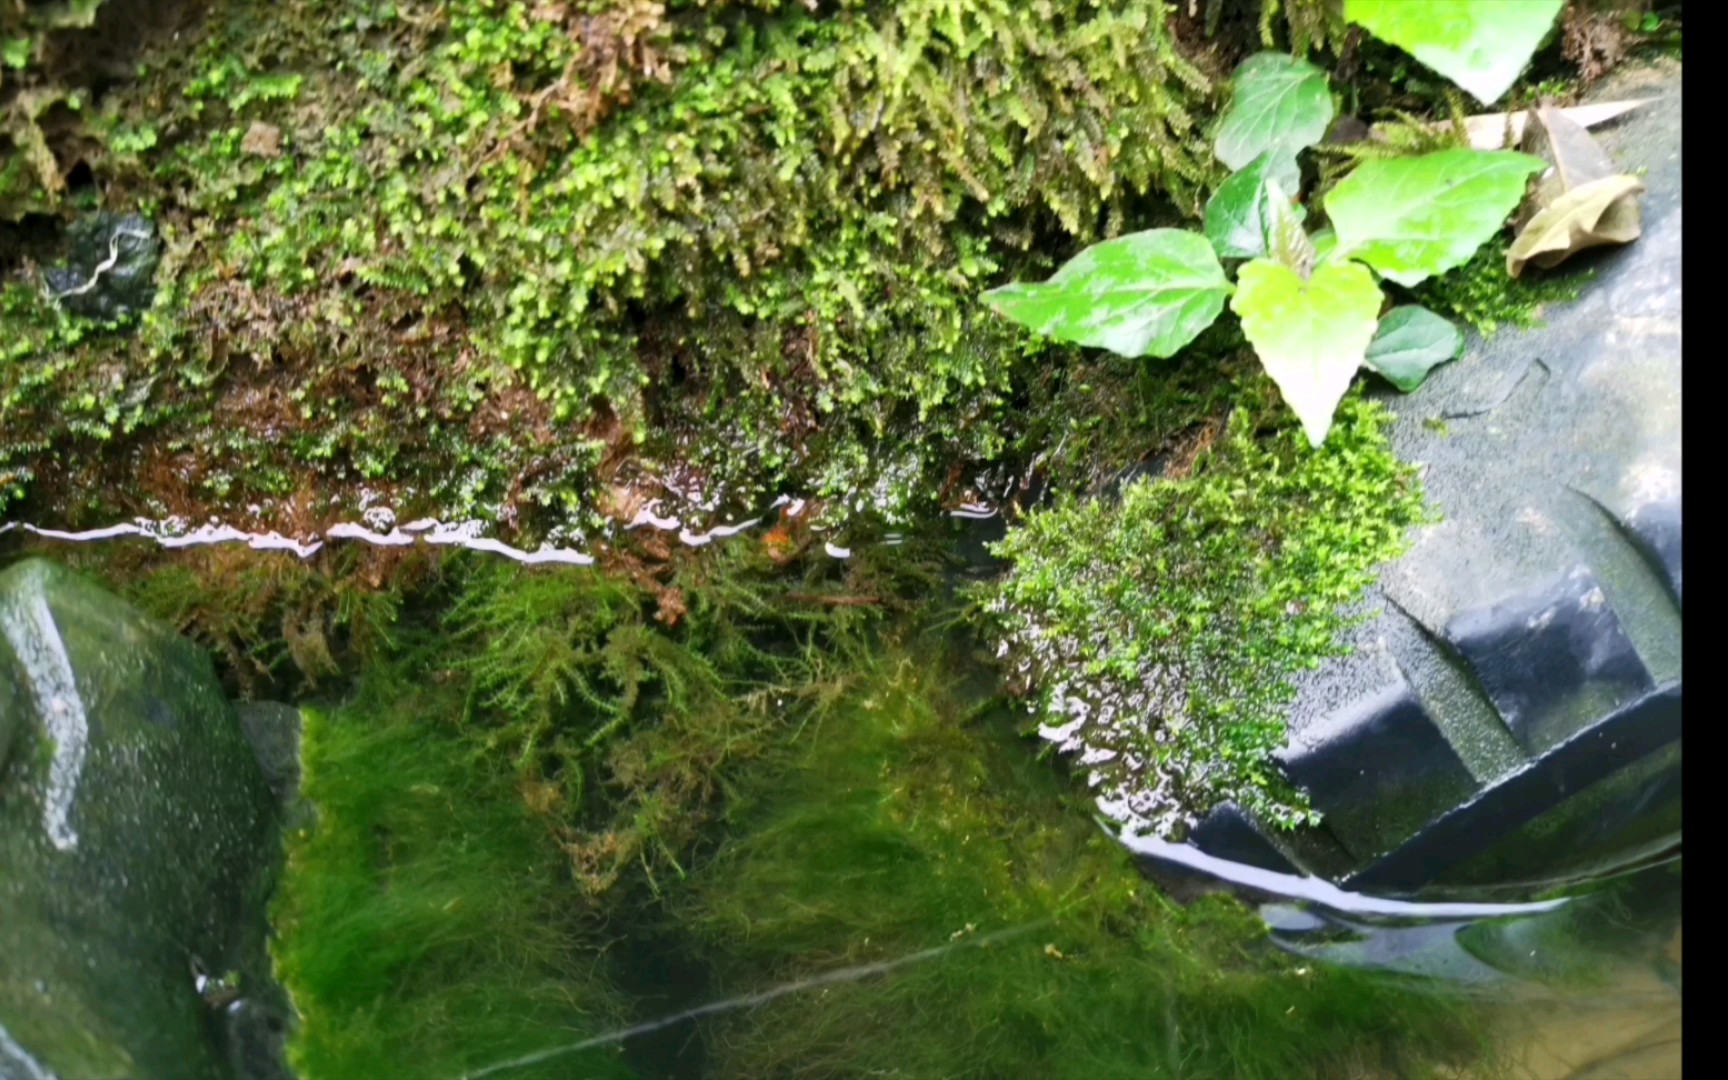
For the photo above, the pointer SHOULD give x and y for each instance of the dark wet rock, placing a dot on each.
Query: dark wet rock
(110, 268)
(137, 842)
(274, 732)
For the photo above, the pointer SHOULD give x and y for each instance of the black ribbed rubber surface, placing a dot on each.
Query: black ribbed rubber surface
(1510, 716)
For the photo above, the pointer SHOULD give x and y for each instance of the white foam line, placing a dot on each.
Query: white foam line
(11, 1054)
(110, 533)
(348, 530)
(1316, 890)
(703, 539)
(974, 511)
(647, 516)
(28, 624)
(275, 541)
(430, 531)
(202, 536)
(750, 1001)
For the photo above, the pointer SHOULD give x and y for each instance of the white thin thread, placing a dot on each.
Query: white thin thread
(104, 266)
(11, 1054)
(29, 625)
(746, 1001)
(1317, 890)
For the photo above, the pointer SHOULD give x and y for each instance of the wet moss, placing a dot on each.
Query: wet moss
(1482, 295)
(1162, 630)
(424, 920)
(480, 258)
(912, 818)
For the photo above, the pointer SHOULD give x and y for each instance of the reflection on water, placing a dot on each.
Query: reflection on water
(1587, 991)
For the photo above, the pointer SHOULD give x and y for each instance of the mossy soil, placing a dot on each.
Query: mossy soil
(529, 263)
(536, 264)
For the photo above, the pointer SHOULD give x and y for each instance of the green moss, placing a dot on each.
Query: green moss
(618, 697)
(425, 916)
(1167, 626)
(278, 625)
(1483, 295)
(910, 818)
(494, 237)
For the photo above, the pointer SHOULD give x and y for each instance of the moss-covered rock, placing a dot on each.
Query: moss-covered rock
(481, 258)
(137, 843)
(1160, 632)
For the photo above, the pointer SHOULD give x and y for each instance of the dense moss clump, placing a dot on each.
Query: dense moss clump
(618, 697)
(479, 258)
(1483, 295)
(910, 818)
(38, 111)
(1161, 630)
(424, 922)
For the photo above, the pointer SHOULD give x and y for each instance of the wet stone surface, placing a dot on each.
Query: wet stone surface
(137, 839)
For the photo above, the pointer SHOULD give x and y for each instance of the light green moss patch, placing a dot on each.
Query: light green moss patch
(1164, 628)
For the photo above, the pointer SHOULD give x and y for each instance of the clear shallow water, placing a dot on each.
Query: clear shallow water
(549, 834)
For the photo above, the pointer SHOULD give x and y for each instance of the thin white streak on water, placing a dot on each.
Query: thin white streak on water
(28, 625)
(747, 1001)
(1316, 890)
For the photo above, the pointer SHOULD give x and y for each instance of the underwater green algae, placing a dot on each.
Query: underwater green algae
(425, 922)
(910, 817)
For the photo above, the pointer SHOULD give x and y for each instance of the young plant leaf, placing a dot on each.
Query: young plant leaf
(1411, 218)
(1144, 294)
(1282, 105)
(1239, 214)
(1482, 45)
(1410, 342)
(1311, 335)
(1287, 242)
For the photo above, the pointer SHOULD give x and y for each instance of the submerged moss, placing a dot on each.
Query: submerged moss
(1161, 631)
(425, 922)
(911, 818)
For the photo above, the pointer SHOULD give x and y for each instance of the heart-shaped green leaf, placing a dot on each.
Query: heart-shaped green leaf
(1411, 218)
(1240, 212)
(1482, 45)
(1311, 335)
(1144, 294)
(1281, 105)
(1410, 342)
